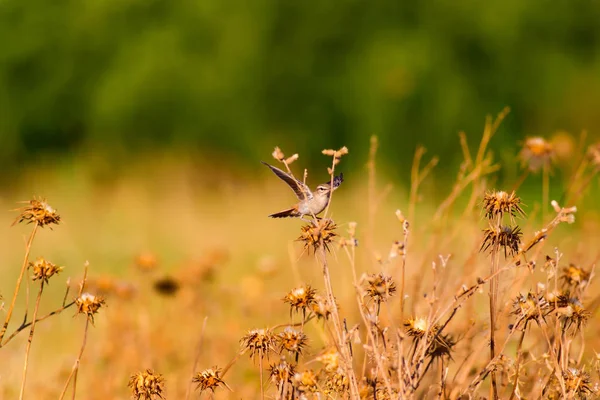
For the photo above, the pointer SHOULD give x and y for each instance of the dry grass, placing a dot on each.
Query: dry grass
(193, 293)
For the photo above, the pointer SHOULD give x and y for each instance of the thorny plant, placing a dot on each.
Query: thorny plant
(413, 324)
(39, 213)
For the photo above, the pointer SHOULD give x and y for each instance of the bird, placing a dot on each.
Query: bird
(311, 203)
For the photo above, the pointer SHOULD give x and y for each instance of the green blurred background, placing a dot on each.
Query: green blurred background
(118, 78)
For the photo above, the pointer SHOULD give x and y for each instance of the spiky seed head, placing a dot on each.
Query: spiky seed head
(147, 385)
(528, 307)
(292, 341)
(536, 153)
(89, 305)
(38, 211)
(282, 372)
(573, 315)
(506, 237)
(336, 382)
(442, 346)
(44, 270)
(208, 379)
(258, 342)
(416, 327)
(321, 307)
(575, 276)
(499, 203)
(301, 298)
(330, 360)
(306, 381)
(315, 235)
(379, 287)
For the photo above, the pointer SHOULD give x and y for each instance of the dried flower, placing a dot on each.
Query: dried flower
(318, 234)
(505, 237)
(89, 305)
(416, 327)
(573, 315)
(301, 298)
(336, 382)
(258, 342)
(306, 381)
(536, 153)
(292, 341)
(379, 287)
(497, 204)
(208, 379)
(38, 211)
(575, 276)
(44, 270)
(146, 385)
(281, 373)
(331, 360)
(321, 307)
(528, 308)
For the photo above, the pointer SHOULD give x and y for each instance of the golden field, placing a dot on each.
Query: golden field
(194, 278)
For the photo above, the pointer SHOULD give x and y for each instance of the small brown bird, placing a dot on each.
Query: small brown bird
(311, 203)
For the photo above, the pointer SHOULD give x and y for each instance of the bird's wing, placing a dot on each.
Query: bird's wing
(300, 189)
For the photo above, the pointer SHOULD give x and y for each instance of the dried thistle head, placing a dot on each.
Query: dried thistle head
(442, 346)
(292, 341)
(321, 307)
(577, 382)
(336, 383)
(573, 315)
(575, 276)
(499, 203)
(318, 234)
(528, 307)
(379, 287)
(505, 237)
(38, 211)
(258, 342)
(536, 153)
(89, 305)
(208, 379)
(282, 372)
(306, 381)
(301, 298)
(330, 360)
(44, 270)
(416, 327)
(147, 385)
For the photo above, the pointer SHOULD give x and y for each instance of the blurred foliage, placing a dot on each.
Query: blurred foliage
(240, 77)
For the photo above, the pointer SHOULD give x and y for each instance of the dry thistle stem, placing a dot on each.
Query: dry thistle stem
(379, 287)
(147, 385)
(505, 237)
(38, 211)
(316, 234)
(258, 342)
(209, 379)
(301, 299)
(498, 203)
(43, 270)
(536, 153)
(89, 305)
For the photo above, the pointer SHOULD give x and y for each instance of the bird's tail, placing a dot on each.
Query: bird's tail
(290, 212)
